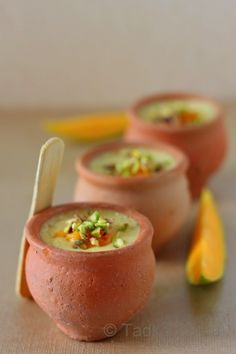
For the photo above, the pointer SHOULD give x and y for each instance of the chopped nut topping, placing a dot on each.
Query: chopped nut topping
(93, 231)
(134, 163)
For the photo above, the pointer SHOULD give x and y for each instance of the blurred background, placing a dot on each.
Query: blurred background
(104, 54)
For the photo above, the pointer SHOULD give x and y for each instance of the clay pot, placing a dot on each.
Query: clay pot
(90, 295)
(163, 197)
(205, 145)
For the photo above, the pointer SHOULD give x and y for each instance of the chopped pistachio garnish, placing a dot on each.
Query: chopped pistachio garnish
(86, 233)
(92, 231)
(94, 241)
(135, 163)
(118, 242)
(95, 216)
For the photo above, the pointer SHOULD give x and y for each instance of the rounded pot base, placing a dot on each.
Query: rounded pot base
(74, 332)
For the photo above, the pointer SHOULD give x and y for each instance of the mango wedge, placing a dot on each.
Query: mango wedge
(206, 260)
(89, 128)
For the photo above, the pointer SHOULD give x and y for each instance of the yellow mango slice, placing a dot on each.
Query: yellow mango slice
(206, 259)
(89, 128)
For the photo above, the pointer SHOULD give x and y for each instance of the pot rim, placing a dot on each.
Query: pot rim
(34, 224)
(83, 170)
(134, 116)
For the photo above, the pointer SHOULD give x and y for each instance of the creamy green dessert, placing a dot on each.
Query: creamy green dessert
(134, 161)
(90, 231)
(178, 112)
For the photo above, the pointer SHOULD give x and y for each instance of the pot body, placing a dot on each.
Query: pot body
(205, 145)
(90, 296)
(165, 203)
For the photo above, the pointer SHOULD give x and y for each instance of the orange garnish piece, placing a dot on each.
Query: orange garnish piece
(59, 234)
(188, 117)
(73, 236)
(143, 171)
(105, 240)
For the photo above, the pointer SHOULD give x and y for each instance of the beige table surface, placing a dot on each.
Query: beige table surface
(178, 319)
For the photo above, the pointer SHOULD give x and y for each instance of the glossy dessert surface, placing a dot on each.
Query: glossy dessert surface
(178, 112)
(132, 161)
(87, 230)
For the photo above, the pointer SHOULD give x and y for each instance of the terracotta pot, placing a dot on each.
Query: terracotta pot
(205, 145)
(90, 295)
(163, 197)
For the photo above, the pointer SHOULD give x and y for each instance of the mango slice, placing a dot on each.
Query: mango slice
(89, 128)
(206, 260)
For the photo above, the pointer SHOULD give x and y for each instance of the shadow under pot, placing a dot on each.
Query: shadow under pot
(148, 177)
(90, 266)
(192, 123)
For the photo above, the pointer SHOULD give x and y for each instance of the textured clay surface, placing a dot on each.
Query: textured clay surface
(204, 145)
(164, 197)
(84, 293)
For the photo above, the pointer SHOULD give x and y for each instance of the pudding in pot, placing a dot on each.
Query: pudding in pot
(90, 265)
(192, 123)
(148, 177)
(90, 230)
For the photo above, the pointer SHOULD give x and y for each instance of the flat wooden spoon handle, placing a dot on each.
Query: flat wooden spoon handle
(49, 164)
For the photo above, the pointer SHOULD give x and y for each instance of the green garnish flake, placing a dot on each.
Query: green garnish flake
(102, 223)
(94, 231)
(94, 217)
(71, 225)
(135, 162)
(118, 242)
(94, 241)
(93, 225)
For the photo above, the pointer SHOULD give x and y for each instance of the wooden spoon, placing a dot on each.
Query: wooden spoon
(49, 163)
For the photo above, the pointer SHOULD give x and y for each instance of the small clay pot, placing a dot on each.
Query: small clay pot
(163, 197)
(90, 295)
(205, 144)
